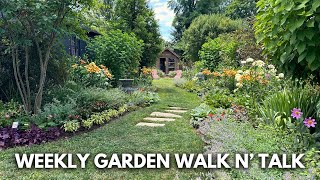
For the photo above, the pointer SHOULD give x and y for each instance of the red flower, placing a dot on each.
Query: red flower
(210, 115)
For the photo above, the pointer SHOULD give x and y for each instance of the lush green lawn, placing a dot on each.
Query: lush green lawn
(120, 136)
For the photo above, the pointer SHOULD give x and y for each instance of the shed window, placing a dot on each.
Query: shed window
(74, 46)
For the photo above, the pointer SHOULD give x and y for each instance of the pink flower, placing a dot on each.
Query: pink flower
(309, 122)
(210, 115)
(296, 113)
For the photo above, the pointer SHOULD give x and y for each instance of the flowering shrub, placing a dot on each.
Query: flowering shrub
(90, 74)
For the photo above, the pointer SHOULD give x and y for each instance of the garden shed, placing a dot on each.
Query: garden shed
(168, 61)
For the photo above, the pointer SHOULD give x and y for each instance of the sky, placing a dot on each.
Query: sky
(164, 16)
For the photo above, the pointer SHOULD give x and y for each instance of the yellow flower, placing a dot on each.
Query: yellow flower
(215, 74)
(92, 68)
(229, 73)
(74, 66)
(146, 71)
(206, 72)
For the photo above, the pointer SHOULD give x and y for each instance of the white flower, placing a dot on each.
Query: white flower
(249, 60)
(281, 75)
(247, 72)
(258, 63)
(273, 71)
(271, 66)
(240, 72)
(239, 85)
(237, 77)
(243, 62)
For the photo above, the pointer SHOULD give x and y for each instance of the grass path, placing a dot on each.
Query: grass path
(120, 136)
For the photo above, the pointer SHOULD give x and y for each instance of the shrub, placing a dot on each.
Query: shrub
(203, 28)
(160, 73)
(121, 52)
(289, 31)
(219, 51)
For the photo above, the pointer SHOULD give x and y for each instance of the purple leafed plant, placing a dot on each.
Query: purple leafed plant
(10, 137)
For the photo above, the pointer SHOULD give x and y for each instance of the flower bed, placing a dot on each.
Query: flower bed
(85, 102)
(256, 94)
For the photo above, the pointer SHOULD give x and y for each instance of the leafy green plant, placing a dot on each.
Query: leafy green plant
(88, 123)
(312, 163)
(121, 52)
(113, 113)
(305, 97)
(205, 27)
(219, 51)
(289, 31)
(218, 100)
(71, 126)
(97, 119)
(55, 113)
(199, 113)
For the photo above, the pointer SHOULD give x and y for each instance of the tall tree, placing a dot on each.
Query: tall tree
(187, 10)
(135, 16)
(38, 24)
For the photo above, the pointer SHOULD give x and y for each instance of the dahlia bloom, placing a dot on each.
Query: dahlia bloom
(309, 122)
(296, 113)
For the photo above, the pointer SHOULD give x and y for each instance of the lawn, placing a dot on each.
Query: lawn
(120, 136)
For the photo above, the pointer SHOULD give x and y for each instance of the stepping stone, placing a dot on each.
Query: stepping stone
(159, 119)
(150, 124)
(168, 115)
(177, 108)
(176, 111)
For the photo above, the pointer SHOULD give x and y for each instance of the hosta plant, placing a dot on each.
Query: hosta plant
(71, 126)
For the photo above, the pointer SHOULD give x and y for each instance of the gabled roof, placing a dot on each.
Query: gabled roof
(172, 52)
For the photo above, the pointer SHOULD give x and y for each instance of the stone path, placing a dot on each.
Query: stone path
(167, 116)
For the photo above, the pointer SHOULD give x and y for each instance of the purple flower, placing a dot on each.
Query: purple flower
(296, 113)
(309, 122)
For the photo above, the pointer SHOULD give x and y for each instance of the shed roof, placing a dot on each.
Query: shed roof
(171, 51)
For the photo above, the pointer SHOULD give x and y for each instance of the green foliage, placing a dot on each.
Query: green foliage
(143, 98)
(134, 16)
(202, 29)
(55, 113)
(187, 10)
(312, 163)
(305, 97)
(90, 74)
(289, 31)
(219, 51)
(218, 100)
(71, 126)
(241, 9)
(88, 123)
(32, 38)
(172, 74)
(199, 113)
(9, 112)
(120, 52)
